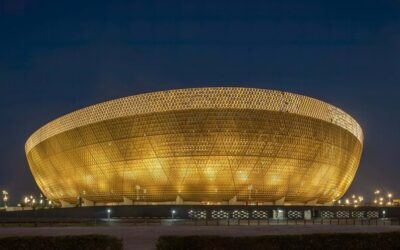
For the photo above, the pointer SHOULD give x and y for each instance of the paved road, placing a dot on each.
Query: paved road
(145, 237)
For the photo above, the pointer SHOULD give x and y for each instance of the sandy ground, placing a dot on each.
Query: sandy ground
(145, 237)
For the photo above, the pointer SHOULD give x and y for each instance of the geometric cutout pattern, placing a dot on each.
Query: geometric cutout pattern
(327, 214)
(257, 214)
(293, 214)
(197, 214)
(342, 214)
(219, 214)
(240, 214)
(372, 214)
(207, 144)
(357, 214)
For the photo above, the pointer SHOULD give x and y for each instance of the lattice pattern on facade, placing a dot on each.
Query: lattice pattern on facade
(197, 214)
(220, 214)
(259, 214)
(295, 214)
(201, 98)
(201, 145)
(240, 214)
(327, 214)
(357, 214)
(372, 214)
(342, 214)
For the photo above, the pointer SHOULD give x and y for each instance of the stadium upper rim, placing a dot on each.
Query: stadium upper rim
(198, 98)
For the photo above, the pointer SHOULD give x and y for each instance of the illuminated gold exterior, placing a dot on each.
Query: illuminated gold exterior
(203, 144)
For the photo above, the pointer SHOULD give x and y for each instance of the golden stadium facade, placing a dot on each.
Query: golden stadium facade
(200, 145)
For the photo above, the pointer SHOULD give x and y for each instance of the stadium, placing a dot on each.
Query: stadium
(198, 146)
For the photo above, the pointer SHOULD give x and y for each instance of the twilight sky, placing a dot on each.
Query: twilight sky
(58, 56)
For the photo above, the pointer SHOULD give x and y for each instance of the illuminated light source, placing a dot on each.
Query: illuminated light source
(108, 214)
(241, 175)
(210, 173)
(390, 198)
(173, 212)
(5, 198)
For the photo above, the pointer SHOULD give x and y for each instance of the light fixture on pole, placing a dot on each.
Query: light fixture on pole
(376, 193)
(108, 214)
(5, 198)
(173, 213)
(390, 198)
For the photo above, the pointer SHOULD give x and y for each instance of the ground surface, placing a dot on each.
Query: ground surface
(145, 237)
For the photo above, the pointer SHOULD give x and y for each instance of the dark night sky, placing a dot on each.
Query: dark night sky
(58, 56)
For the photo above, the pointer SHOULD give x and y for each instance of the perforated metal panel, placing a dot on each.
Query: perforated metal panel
(209, 144)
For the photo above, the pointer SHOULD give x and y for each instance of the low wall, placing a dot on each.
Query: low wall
(209, 212)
